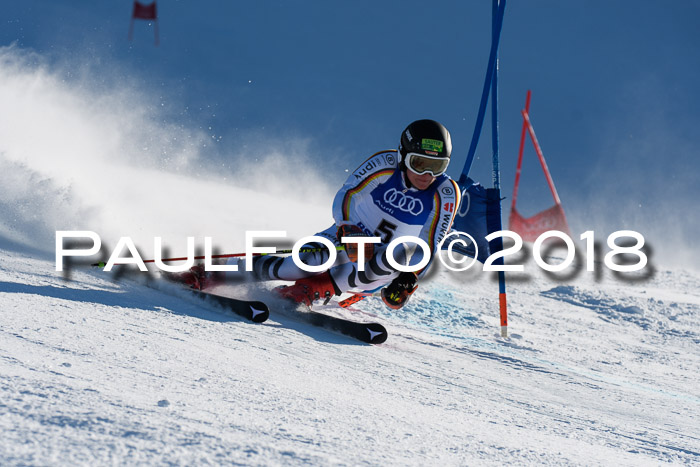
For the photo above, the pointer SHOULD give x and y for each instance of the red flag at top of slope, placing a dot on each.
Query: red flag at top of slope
(144, 11)
(550, 219)
(147, 12)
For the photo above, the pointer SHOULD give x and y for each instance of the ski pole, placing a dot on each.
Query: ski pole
(356, 297)
(102, 264)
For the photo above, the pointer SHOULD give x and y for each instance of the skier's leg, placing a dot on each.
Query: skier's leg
(266, 268)
(397, 286)
(377, 271)
(346, 275)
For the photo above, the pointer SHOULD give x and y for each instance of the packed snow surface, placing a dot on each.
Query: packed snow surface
(102, 369)
(595, 371)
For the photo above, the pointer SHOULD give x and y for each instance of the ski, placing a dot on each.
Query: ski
(254, 311)
(258, 312)
(371, 333)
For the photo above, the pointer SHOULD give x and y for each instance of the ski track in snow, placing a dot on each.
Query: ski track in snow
(96, 371)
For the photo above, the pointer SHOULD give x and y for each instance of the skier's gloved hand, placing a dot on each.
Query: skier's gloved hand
(351, 230)
(396, 294)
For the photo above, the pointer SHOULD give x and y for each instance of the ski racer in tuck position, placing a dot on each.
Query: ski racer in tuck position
(392, 194)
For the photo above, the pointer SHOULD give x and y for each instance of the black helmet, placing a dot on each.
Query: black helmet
(425, 146)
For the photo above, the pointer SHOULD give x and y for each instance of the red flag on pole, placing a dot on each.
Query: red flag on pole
(550, 219)
(144, 11)
(532, 227)
(147, 12)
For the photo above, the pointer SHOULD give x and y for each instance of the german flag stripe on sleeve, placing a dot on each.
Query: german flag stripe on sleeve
(352, 192)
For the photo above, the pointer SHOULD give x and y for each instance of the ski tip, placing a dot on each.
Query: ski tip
(259, 312)
(376, 333)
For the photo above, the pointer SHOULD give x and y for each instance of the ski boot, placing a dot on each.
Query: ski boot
(197, 278)
(308, 289)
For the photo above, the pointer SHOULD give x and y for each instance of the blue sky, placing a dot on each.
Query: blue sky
(615, 93)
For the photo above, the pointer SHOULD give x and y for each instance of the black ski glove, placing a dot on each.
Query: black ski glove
(396, 294)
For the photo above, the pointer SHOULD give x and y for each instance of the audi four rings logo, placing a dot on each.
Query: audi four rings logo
(403, 202)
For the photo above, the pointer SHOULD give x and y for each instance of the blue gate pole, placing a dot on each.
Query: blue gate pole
(497, 243)
(497, 23)
(494, 106)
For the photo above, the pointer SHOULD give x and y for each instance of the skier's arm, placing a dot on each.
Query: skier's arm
(362, 181)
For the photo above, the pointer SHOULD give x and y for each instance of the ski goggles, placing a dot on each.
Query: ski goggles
(420, 164)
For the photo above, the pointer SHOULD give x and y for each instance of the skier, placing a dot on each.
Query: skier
(392, 194)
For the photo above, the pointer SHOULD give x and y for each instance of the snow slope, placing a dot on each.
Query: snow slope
(96, 371)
